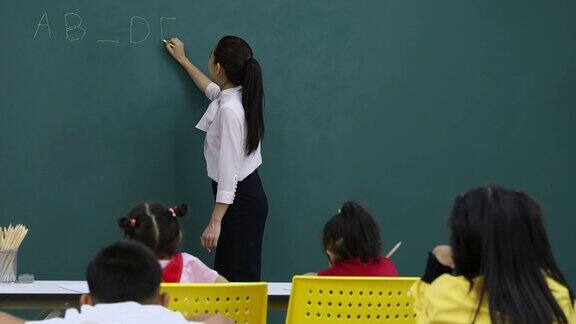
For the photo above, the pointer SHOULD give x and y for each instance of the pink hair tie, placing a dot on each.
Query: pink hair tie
(173, 212)
(133, 222)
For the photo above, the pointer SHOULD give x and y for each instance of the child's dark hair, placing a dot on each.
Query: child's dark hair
(154, 225)
(124, 271)
(241, 68)
(499, 234)
(353, 233)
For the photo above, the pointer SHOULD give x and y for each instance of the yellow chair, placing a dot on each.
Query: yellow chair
(351, 300)
(245, 303)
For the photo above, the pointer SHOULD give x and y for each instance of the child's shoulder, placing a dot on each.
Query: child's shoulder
(187, 257)
(195, 270)
(385, 260)
(387, 267)
(192, 262)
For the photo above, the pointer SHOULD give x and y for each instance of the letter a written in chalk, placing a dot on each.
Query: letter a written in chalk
(45, 24)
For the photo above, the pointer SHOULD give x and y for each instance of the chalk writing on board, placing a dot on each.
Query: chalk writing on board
(108, 41)
(163, 30)
(74, 30)
(46, 24)
(142, 20)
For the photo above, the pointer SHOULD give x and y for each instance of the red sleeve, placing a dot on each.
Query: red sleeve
(328, 272)
(390, 268)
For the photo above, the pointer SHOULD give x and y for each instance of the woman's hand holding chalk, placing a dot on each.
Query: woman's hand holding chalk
(168, 43)
(175, 47)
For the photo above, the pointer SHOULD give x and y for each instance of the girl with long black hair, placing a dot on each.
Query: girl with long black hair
(499, 267)
(234, 126)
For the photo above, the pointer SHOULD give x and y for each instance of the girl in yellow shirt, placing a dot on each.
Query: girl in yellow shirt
(499, 269)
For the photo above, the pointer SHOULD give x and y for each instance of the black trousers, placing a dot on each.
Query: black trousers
(239, 250)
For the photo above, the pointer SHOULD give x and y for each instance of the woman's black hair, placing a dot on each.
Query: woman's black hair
(499, 234)
(154, 225)
(352, 234)
(241, 68)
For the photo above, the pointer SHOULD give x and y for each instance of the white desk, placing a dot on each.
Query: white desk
(60, 295)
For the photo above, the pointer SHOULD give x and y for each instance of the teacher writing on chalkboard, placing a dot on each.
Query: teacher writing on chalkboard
(234, 127)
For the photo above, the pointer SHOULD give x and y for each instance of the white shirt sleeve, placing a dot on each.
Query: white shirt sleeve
(49, 321)
(69, 316)
(231, 154)
(212, 91)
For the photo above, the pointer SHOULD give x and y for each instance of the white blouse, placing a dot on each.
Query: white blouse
(225, 144)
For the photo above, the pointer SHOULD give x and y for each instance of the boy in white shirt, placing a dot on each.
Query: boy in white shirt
(124, 282)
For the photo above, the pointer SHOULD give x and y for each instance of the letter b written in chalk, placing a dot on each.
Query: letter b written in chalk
(74, 29)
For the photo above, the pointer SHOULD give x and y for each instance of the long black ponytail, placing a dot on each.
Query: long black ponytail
(241, 68)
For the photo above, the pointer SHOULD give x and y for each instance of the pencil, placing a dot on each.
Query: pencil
(394, 249)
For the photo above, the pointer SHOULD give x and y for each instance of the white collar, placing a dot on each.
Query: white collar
(230, 91)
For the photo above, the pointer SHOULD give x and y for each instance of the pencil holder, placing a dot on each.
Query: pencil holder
(8, 266)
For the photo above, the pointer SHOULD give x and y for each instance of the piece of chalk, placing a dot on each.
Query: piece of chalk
(166, 42)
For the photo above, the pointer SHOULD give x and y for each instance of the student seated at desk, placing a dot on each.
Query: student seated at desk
(353, 246)
(124, 283)
(158, 228)
(499, 269)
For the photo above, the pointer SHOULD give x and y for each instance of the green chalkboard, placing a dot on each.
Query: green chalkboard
(398, 104)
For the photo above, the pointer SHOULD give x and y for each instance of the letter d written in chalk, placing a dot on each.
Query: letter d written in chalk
(137, 20)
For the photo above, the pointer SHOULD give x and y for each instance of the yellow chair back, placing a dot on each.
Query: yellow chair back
(245, 303)
(357, 299)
